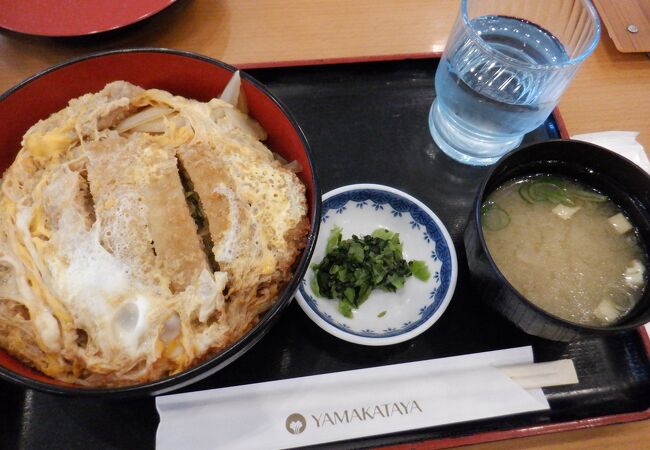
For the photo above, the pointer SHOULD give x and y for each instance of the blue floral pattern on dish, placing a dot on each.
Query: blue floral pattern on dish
(431, 235)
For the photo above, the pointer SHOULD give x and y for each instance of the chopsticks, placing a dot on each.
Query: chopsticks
(538, 375)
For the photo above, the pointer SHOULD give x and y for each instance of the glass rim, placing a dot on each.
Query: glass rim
(516, 62)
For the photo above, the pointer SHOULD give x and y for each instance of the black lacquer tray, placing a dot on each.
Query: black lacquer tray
(367, 122)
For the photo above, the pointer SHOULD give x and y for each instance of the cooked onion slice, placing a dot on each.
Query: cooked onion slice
(278, 157)
(146, 115)
(294, 166)
(155, 126)
(234, 94)
(230, 93)
(159, 125)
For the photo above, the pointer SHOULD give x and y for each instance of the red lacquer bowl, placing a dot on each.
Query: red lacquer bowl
(181, 73)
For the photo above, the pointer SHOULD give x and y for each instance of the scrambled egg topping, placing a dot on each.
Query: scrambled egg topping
(140, 233)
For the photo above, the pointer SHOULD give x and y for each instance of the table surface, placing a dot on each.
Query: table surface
(610, 92)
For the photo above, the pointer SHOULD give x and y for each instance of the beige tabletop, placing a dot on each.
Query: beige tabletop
(611, 91)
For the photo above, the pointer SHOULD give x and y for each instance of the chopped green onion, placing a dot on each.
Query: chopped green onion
(556, 191)
(493, 217)
(541, 190)
(588, 196)
(525, 194)
(560, 197)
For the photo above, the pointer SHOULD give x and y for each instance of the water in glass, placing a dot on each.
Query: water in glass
(486, 101)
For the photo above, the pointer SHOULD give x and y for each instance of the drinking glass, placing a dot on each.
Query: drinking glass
(505, 66)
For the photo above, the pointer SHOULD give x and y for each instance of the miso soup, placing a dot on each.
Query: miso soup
(566, 247)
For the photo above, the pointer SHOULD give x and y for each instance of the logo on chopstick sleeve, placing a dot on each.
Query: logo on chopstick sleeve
(295, 423)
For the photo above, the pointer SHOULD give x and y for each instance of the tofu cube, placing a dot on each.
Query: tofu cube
(606, 311)
(565, 212)
(620, 223)
(634, 273)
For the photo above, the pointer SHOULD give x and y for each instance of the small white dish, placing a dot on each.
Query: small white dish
(360, 209)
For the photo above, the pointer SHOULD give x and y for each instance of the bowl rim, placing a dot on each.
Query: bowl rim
(421, 328)
(476, 212)
(74, 32)
(218, 361)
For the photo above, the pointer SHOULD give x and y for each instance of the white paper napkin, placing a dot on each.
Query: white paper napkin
(622, 142)
(347, 405)
(625, 144)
